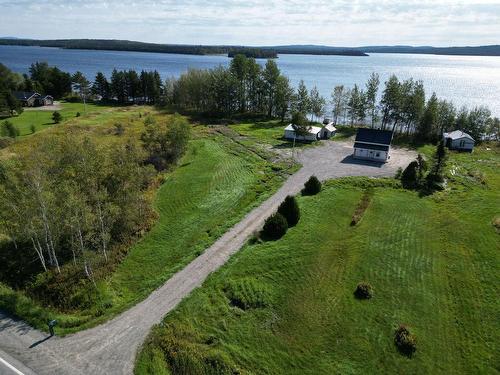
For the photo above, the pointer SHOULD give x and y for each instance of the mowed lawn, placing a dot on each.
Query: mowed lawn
(217, 183)
(42, 119)
(433, 261)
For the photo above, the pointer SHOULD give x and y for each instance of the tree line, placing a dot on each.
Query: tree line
(404, 108)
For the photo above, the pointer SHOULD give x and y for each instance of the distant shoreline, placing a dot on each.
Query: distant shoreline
(131, 46)
(257, 52)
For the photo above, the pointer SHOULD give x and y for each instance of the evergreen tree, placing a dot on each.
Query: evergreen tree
(289, 208)
(428, 122)
(371, 97)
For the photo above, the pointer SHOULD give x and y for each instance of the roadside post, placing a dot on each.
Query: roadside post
(52, 323)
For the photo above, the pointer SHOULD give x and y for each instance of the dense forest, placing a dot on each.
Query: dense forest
(127, 45)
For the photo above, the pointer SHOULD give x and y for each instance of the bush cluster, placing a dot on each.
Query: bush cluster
(363, 291)
(405, 340)
(312, 186)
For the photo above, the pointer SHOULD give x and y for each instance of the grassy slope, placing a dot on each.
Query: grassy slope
(43, 119)
(433, 262)
(217, 182)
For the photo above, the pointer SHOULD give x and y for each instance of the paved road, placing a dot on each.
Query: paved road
(111, 347)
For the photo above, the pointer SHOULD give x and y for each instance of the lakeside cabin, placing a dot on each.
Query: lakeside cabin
(33, 99)
(373, 144)
(458, 140)
(314, 133)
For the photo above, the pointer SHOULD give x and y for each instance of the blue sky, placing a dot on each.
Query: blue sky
(258, 22)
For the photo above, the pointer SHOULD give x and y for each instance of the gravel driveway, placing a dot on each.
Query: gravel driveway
(334, 159)
(111, 347)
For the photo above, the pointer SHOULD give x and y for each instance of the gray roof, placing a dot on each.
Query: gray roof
(457, 134)
(381, 137)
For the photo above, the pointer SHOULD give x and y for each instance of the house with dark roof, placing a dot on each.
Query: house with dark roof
(458, 140)
(373, 144)
(33, 99)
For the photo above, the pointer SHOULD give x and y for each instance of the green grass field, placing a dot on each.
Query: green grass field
(43, 119)
(433, 262)
(216, 183)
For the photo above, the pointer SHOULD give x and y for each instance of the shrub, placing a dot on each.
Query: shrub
(77, 114)
(275, 227)
(289, 208)
(312, 186)
(5, 142)
(247, 293)
(56, 117)
(405, 340)
(9, 130)
(363, 291)
(409, 177)
(119, 128)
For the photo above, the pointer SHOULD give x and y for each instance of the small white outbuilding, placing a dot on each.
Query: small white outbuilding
(313, 133)
(328, 130)
(458, 140)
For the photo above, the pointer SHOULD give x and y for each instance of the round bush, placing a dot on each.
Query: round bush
(275, 227)
(405, 340)
(363, 291)
(289, 208)
(312, 186)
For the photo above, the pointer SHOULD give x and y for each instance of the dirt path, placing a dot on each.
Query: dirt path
(111, 347)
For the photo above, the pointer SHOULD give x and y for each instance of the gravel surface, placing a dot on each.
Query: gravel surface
(111, 347)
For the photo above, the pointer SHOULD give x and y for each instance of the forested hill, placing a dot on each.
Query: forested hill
(492, 50)
(126, 45)
(257, 52)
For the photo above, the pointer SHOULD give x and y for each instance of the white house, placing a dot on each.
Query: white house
(458, 140)
(373, 144)
(313, 133)
(328, 130)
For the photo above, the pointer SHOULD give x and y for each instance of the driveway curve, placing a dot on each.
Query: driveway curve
(110, 348)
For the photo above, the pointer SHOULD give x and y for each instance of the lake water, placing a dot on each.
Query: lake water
(465, 80)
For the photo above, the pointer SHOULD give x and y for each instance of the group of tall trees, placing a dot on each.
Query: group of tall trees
(42, 78)
(48, 80)
(70, 199)
(244, 87)
(404, 108)
(128, 86)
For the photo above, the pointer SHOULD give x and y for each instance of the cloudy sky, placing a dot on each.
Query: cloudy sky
(258, 22)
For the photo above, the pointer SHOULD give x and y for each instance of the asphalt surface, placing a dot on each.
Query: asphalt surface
(110, 348)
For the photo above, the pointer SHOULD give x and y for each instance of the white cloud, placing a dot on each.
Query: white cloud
(258, 22)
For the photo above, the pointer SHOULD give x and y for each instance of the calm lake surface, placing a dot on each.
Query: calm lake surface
(465, 80)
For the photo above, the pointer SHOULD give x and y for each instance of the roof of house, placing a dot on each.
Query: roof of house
(24, 95)
(457, 134)
(365, 135)
(371, 146)
(311, 130)
(330, 127)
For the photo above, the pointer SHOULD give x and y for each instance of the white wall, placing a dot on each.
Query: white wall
(364, 153)
(290, 134)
